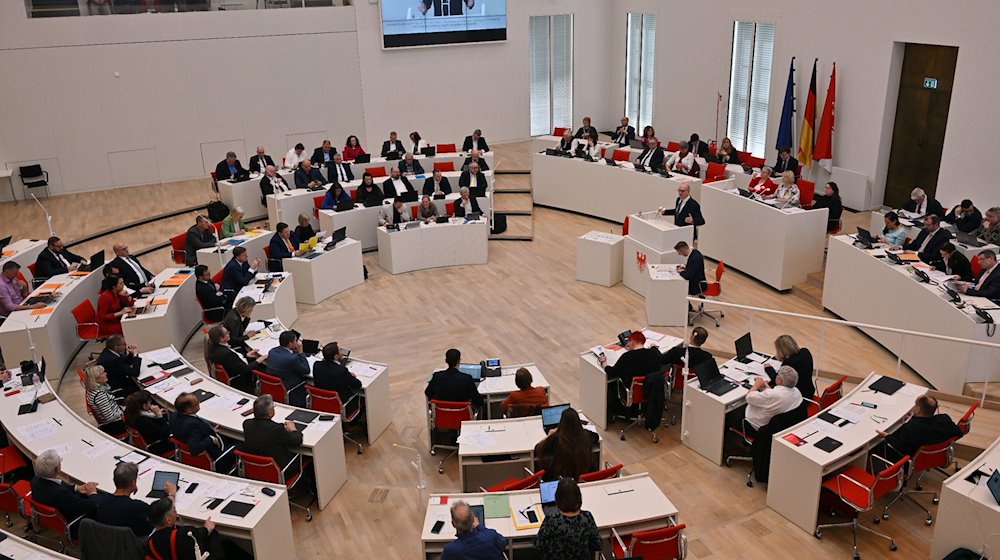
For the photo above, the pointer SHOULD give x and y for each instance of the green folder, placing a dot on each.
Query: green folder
(496, 506)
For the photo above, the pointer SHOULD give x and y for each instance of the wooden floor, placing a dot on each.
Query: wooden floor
(524, 306)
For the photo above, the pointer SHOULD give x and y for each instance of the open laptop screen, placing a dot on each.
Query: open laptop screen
(552, 414)
(474, 371)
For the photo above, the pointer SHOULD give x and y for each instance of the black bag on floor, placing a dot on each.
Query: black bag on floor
(217, 211)
(499, 223)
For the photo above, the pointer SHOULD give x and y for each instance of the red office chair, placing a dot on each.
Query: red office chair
(449, 208)
(202, 460)
(747, 434)
(673, 146)
(446, 415)
(177, 248)
(512, 483)
(633, 396)
(87, 329)
(45, 517)
(413, 212)
(165, 448)
(832, 393)
(807, 190)
(354, 195)
(620, 155)
(860, 489)
(444, 166)
(936, 456)
(664, 543)
(710, 289)
(271, 385)
(609, 471)
(376, 171)
(798, 172)
(317, 202)
(965, 422)
(266, 469)
(559, 131)
(13, 500)
(755, 162)
(977, 267)
(835, 228)
(217, 277)
(446, 148)
(323, 400)
(11, 459)
(714, 172)
(812, 407)
(223, 376)
(625, 226)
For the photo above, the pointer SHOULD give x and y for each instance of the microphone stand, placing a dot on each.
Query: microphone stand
(31, 340)
(48, 218)
(218, 244)
(418, 464)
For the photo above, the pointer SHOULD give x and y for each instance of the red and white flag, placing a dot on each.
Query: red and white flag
(823, 153)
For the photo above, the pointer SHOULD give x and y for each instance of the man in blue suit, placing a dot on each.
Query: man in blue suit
(287, 362)
(987, 283)
(47, 487)
(199, 434)
(693, 270)
(284, 245)
(238, 273)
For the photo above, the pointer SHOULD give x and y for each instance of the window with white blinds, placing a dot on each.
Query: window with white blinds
(639, 49)
(750, 85)
(551, 73)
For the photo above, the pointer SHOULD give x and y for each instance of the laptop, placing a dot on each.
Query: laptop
(477, 192)
(392, 156)
(710, 380)
(623, 337)
(160, 479)
(745, 193)
(43, 297)
(473, 216)
(408, 196)
(551, 415)
(744, 347)
(865, 238)
(475, 371)
(963, 238)
(363, 158)
(547, 493)
(240, 176)
(442, 220)
(372, 201)
(636, 144)
(552, 152)
(429, 151)
(339, 235)
(412, 225)
(344, 205)
(439, 196)
(310, 347)
(993, 484)
(97, 260)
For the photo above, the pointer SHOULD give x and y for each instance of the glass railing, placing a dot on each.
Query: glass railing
(73, 8)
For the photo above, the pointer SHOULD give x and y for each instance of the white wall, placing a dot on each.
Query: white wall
(860, 36)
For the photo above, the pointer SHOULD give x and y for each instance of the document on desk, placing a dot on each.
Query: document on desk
(652, 335)
(491, 385)
(365, 370)
(476, 439)
(38, 430)
(256, 326)
(851, 412)
(163, 355)
(602, 237)
(664, 272)
(757, 357)
(910, 215)
(618, 488)
(62, 450)
(876, 252)
(99, 449)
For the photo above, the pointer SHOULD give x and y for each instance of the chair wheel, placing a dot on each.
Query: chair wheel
(440, 470)
(673, 420)
(360, 450)
(892, 546)
(623, 435)
(309, 517)
(728, 462)
(876, 520)
(10, 522)
(919, 487)
(434, 451)
(936, 500)
(818, 534)
(885, 516)
(929, 521)
(749, 483)
(857, 556)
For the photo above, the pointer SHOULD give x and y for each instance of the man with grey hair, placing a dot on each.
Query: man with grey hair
(474, 157)
(259, 162)
(652, 156)
(263, 436)
(473, 177)
(923, 205)
(681, 161)
(72, 501)
(120, 510)
(199, 236)
(473, 541)
(229, 168)
(764, 403)
(466, 204)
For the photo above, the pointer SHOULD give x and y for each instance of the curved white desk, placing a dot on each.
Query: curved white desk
(278, 302)
(170, 311)
(323, 274)
(254, 241)
(24, 252)
(17, 548)
(89, 454)
(968, 515)
(321, 440)
(433, 245)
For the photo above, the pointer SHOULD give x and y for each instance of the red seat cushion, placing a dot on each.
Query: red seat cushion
(856, 495)
(12, 459)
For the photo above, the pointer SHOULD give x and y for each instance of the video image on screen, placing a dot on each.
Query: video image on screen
(413, 23)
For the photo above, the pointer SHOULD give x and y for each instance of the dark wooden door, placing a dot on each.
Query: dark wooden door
(921, 118)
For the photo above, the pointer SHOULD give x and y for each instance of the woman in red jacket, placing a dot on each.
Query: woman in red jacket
(113, 302)
(352, 149)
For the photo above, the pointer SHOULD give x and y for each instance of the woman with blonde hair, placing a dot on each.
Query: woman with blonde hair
(232, 225)
(788, 192)
(236, 322)
(727, 153)
(102, 403)
(788, 351)
(304, 231)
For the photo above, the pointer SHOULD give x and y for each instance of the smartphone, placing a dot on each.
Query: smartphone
(215, 503)
(531, 515)
(867, 404)
(191, 487)
(438, 525)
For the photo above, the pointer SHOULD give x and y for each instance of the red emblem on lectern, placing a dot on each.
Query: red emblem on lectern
(640, 260)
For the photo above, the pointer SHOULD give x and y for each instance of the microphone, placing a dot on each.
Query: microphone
(31, 340)
(48, 218)
(218, 243)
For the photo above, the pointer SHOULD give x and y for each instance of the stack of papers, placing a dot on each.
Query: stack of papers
(476, 439)
(163, 355)
(602, 237)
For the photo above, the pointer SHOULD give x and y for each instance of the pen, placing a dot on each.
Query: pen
(56, 420)
(807, 436)
(87, 442)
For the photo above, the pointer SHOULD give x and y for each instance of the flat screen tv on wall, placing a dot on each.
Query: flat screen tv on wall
(422, 23)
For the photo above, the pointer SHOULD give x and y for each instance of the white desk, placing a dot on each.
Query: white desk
(246, 194)
(968, 515)
(777, 247)
(594, 381)
(457, 159)
(88, 454)
(599, 258)
(434, 245)
(599, 190)
(801, 470)
(490, 451)
(629, 504)
(171, 312)
(16, 548)
(912, 229)
(495, 389)
(328, 274)
(322, 441)
(862, 288)
(666, 297)
(9, 174)
(374, 378)
(253, 241)
(53, 328)
(650, 240)
(24, 252)
(278, 302)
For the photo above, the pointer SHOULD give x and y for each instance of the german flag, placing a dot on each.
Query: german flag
(805, 155)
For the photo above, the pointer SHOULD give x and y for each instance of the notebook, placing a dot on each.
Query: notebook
(828, 444)
(303, 416)
(238, 509)
(887, 385)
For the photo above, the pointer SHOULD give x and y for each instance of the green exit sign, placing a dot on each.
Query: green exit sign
(930, 83)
